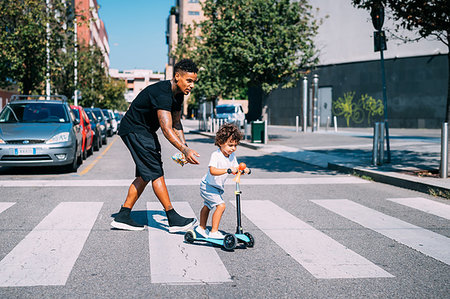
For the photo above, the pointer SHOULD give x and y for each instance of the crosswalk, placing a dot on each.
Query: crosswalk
(47, 255)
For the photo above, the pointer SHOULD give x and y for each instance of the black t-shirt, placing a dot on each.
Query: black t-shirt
(141, 116)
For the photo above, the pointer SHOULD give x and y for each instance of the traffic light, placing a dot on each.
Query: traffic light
(377, 14)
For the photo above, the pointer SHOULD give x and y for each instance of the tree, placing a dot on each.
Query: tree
(429, 18)
(253, 43)
(114, 95)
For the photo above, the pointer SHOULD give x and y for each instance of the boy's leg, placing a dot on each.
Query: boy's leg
(204, 213)
(217, 215)
(177, 223)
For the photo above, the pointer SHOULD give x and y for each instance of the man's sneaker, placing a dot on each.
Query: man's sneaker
(124, 221)
(202, 232)
(216, 235)
(179, 223)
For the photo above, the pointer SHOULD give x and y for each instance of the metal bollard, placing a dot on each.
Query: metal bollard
(381, 144)
(444, 151)
(328, 123)
(296, 124)
(376, 134)
(335, 123)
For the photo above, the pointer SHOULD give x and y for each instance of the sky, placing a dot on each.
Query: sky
(136, 32)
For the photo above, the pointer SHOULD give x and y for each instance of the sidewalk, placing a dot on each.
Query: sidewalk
(415, 154)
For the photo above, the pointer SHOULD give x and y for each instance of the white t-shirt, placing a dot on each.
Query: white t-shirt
(218, 160)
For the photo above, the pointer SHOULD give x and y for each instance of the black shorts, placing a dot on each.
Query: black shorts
(146, 153)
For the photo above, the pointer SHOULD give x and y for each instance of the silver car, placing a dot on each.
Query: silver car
(37, 132)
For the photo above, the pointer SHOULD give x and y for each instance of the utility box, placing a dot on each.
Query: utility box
(258, 131)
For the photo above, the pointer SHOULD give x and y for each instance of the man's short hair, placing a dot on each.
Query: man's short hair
(185, 65)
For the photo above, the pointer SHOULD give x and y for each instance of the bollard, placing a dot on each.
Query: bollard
(335, 123)
(296, 124)
(305, 103)
(245, 129)
(328, 123)
(381, 144)
(376, 134)
(444, 151)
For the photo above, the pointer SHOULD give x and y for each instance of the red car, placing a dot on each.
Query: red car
(88, 135)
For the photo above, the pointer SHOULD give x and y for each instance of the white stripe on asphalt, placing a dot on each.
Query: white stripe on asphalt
(172, 261)
(420, 239)
(47, 254)
(5, 205)
(322, 256)
(320, 180)
(425, 205)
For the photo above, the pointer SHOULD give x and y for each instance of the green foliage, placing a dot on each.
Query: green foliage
(113, 95)
(251, 43)
(356, 111)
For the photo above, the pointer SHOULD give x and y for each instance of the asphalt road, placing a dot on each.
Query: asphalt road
(318, 234)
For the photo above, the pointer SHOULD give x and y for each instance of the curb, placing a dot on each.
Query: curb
(394, 180)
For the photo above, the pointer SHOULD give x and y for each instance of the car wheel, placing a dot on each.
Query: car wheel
(96, 144)
(72, 167)
(91, 150)
(80, 158)
(84, 154)
(105, 141)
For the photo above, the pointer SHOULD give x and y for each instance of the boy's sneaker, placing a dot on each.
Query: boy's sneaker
(124, 221)
(179, 223)
(202, 232)
(216, 235)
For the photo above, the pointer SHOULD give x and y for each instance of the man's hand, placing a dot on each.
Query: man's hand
(190, 155)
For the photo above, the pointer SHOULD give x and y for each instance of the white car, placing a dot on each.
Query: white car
(232, 113)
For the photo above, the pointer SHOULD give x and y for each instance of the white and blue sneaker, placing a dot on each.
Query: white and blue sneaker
(201, 232)
(216, 235)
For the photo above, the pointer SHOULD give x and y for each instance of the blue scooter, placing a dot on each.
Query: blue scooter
(230, 241)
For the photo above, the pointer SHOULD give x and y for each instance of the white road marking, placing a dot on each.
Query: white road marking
(322, 256)
(5, 205)
(172, 261)
(425, 205)
(320, 180)
(420, 239)
(48, 253)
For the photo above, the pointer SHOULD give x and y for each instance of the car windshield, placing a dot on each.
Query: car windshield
(34, 112)
(98, 114)
(224, 109)
(76, 112)
(91, 116)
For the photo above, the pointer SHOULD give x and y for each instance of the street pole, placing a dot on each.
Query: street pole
(305, 103)
(315, 102)
(75, 80)
(383, 80)
(47, 75)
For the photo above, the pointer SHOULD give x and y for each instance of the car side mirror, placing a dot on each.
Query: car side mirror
(76, 121)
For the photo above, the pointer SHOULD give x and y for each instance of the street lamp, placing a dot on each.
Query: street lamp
(377, 14)
(75, 80)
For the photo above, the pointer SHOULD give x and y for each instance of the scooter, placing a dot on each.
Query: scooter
(230, 241)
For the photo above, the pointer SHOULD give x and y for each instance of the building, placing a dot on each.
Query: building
(185, 13)
(416, 73)
(136, 80)
(91, 31)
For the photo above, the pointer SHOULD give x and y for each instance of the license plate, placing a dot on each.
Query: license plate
(24, 151)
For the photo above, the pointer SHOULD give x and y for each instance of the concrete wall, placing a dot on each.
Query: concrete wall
(416, 90)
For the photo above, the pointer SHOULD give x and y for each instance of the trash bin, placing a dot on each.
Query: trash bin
(257, 131)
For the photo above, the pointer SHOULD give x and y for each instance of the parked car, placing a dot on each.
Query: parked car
(119, 116)
(112, 121)
(96, 129)
(88, 135)
(232, 113)
(37, 132)
(104, 124)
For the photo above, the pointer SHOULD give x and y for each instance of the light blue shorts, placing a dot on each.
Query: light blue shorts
(212, 196)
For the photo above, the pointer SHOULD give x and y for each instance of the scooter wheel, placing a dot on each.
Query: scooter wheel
(250, 243)
(229, 242)
(189, 236)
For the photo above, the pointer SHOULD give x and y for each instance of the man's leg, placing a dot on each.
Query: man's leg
(177, 223)
(123, 219)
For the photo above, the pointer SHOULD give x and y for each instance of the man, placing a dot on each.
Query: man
(156, 106)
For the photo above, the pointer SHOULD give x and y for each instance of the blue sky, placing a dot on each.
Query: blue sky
(136, 31)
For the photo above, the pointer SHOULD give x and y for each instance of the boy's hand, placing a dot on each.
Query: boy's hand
(247, 170)
(234, 170)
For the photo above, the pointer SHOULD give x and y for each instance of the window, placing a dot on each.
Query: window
(193, 1)
(193, 13)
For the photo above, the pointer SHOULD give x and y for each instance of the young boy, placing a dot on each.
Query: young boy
(222, 162)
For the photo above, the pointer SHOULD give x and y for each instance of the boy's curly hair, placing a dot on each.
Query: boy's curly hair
(226, 131)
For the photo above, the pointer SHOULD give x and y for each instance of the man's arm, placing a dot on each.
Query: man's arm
(165, 121)
(178, 126)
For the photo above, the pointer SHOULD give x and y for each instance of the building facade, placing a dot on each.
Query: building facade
(416, 73)
(91, 31)
(136, 80)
